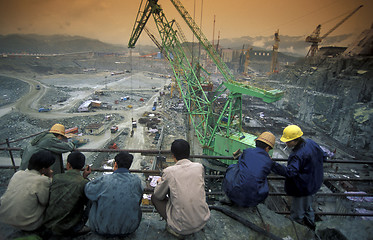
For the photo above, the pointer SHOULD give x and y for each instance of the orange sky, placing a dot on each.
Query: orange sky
(112, 20)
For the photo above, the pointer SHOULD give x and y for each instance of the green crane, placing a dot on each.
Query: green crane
(216, 116)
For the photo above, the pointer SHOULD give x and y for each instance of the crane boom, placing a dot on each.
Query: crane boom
(315, 38)
(342, 21)
(141, 20)
(155, 41)
(203, 40)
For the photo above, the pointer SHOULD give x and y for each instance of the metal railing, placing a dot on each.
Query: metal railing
(270, 178)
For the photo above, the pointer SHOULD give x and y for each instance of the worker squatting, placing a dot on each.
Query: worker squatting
(44, 199)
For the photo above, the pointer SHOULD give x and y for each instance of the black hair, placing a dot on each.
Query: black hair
(262, 145)
(41, 159)
(299, 140)
(76, 160)
(57, 134)
(180, 149)
(124, 160)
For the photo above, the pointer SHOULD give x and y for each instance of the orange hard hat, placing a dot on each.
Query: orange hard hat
(58, 128)
(268, 138)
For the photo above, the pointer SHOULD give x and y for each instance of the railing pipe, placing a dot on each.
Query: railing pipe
(159, 152)
(11, 155)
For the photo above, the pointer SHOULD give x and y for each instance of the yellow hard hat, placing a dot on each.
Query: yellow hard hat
(58, 128)
(267, 137)
(291, 132)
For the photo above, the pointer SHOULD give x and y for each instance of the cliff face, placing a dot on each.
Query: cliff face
(335, 95)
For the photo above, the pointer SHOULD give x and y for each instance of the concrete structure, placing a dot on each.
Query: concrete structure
(85, 106)
(94, 128)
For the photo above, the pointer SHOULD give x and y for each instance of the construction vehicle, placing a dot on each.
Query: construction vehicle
(113, 146)
(42, 109)
(134, 124)
(315, 38)
(206, 111)
(114, 129)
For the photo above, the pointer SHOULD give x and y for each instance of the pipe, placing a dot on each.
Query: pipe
(333, 214)
(317, 194)
(245, 222)
(151, 151)
(207, 176)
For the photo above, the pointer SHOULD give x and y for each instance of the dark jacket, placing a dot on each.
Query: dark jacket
(47, 141)
(304, 172)
(66, 202)
(245, 183)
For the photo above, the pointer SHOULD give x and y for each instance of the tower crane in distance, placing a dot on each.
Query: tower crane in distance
(247, 61)
(315, 38)
(274, 62)
(215, 115)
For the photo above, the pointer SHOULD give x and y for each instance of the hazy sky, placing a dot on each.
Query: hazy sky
(112, 20)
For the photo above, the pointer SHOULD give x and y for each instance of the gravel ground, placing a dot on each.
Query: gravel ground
(11, 90)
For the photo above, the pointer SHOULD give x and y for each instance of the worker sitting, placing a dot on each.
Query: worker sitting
(180, 196)
(23, 203)
(65, 214)
(116, 199)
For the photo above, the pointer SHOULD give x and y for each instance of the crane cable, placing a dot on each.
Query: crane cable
(131, 95)
(298, 18)
(332, 19)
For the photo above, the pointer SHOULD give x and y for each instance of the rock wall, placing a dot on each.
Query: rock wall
(335, 95)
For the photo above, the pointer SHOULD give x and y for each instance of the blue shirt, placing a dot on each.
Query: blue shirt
(116, 202)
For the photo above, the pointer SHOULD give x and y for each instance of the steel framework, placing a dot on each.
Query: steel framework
(216, 120)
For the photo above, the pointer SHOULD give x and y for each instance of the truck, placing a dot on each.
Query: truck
(114, 129)
(44, 109)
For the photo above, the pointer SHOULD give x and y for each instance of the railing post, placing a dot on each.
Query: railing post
(11, 155)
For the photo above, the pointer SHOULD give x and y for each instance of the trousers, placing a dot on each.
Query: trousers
(301, 208)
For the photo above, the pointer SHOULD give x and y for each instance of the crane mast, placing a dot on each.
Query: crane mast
(274, 63)
(217, 123)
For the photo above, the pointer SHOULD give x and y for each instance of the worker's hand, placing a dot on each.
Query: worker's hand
(159, 180)
(87, 171)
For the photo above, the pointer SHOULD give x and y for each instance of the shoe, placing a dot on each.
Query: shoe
(172, 232)
(309, 224)
(225, 200)
(82, 231)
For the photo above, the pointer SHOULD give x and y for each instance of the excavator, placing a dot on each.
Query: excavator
(315, 38)
(215, 115)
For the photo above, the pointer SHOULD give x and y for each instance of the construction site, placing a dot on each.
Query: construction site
(217, 98)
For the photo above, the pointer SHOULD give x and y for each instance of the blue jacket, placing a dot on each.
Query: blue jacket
(304, 172)
(245, 183)
(116, 201)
